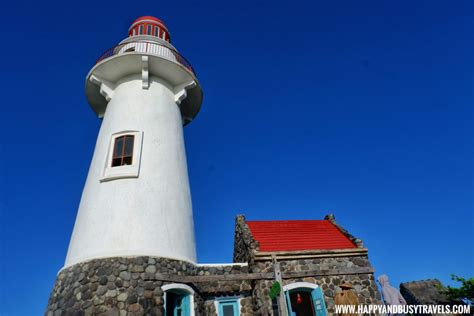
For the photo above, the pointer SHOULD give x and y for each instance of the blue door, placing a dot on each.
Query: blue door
(181, 305)
(318, 302)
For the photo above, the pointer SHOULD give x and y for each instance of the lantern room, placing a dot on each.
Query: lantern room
(150, 26)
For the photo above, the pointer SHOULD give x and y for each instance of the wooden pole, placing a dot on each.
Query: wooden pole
(282, 309)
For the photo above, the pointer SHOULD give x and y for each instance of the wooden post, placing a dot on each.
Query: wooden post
(282, 309)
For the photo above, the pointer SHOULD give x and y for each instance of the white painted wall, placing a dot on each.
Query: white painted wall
(148, 215)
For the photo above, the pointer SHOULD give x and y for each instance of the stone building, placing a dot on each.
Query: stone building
(132, 250)
(310, 256)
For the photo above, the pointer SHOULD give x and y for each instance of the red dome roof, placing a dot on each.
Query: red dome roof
(149, 25)
(149, 18)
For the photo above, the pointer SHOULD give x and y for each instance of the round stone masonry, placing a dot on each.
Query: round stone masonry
(114, 286)
(133, 286)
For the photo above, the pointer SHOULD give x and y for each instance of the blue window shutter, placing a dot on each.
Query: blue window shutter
(186, 309)
(318, 302)
(288, 304)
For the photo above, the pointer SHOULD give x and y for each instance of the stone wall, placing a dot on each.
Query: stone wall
(363, 283)
(244, 244)
(132, 286)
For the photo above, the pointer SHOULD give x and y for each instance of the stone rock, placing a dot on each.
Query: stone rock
(113, 312)
(125, 275)
(118, 283)
(134, 308)
(150, 269)
(148, 294)
(101, 290)
(122, 297)
(122, 267)
(103, 280)
(111, 293)
(132, 299)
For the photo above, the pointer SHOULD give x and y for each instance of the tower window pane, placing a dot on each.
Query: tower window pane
(118, 147)
(128, 152)
(123, 151)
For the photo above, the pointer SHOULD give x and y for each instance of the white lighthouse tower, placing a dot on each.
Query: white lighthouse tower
(136, 200)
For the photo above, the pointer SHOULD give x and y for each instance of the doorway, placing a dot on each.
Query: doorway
(177, 304)
(304, 299)
(301, 303)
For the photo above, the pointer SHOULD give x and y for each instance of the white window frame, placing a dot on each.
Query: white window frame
(126, 171)
(297, 285)
(183, 287)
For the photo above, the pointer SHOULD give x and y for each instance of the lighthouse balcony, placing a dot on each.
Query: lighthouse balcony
(150, 61)
(148, 48)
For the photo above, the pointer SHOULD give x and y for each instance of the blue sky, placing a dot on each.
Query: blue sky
(358, 108)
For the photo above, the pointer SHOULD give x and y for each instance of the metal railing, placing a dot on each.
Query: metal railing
(147, 47)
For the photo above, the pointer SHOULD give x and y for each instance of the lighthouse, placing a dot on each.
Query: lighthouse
(136, 200)
(132, 250)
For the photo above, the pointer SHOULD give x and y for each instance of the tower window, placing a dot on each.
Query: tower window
(140, 30)
(123, 151)
(149, 29)
(157, 31)
(124, 156)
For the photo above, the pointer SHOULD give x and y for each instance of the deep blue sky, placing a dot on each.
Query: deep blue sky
(362, 109)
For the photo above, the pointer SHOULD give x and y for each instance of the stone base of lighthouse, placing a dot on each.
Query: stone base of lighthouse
(113, 286)
(136, 286)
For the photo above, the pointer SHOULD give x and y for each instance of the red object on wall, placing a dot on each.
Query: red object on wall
(298, 235)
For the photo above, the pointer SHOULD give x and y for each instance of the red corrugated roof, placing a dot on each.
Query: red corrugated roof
(298, 235)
